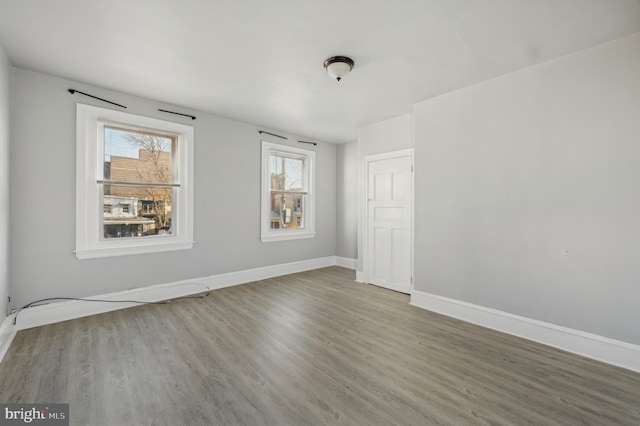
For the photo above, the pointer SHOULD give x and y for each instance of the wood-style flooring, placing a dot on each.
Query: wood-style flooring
(313, 348)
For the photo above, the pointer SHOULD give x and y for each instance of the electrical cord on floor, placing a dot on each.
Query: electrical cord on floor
(36, 303)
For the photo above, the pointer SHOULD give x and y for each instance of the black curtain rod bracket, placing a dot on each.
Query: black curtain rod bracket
(178, 113)
(72, 91)
(272, 134)
(310, 143)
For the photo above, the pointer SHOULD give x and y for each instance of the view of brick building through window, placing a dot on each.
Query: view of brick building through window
(139, 177)
(287, 194)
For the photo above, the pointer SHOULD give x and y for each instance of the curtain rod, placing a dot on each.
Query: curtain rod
(310, 143)
(178, 113)
(72, 91)
(272, 134)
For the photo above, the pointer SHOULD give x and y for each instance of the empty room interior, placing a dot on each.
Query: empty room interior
(291, 213)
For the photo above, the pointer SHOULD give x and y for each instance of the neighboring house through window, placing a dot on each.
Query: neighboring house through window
(288, 199)
(134, 182)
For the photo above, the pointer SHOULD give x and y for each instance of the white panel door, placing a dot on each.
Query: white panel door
(389, 215)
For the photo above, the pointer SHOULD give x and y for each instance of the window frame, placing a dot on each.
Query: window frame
(267, 234)
(89, 193)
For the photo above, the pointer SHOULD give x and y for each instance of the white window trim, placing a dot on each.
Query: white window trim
(309, 231)
(89, 169)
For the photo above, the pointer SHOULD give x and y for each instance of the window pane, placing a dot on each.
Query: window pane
(286, 211)
(286, 173)
(136, 211)
(277, 181)
(293, 174)
(136, 156)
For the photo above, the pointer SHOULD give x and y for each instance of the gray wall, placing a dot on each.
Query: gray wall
(528, 192)
(227, 199)
(347, 200)
(5, 72)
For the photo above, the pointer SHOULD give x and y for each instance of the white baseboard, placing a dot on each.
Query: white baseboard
(360, 276)
(256, 274)
(66, 310)
(7, 333)
(63, 311)
(347, 262)
(611, 351)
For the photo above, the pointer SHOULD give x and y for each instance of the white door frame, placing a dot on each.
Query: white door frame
(365, 179)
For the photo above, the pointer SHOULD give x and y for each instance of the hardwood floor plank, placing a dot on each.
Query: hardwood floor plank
(307, 349)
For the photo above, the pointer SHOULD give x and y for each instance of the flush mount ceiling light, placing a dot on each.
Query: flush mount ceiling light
(338, 66)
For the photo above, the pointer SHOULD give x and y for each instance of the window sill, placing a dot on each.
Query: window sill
(286, 235)
(130, 249)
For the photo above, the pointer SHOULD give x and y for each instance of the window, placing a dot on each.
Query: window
(287, 193)
(134, 184)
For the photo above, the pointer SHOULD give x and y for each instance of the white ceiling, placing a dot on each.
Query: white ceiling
(261, 61)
